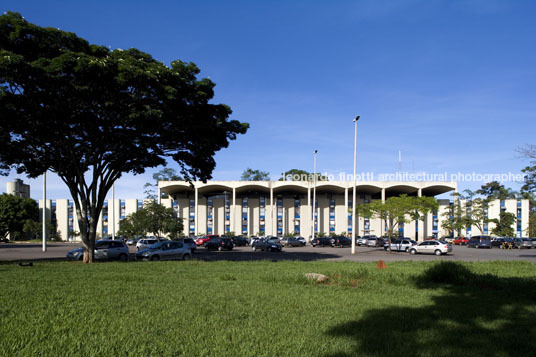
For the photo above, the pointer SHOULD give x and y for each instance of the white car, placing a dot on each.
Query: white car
(400, 245)
(145, 243)
(431, 247)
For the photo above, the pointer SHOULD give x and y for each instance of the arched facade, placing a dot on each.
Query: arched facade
(281, 207)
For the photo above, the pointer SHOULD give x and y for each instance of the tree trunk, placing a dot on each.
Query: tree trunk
(89, 251)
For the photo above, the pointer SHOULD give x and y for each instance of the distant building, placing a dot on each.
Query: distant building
(18, 188)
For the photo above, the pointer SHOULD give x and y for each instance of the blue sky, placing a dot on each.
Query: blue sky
(452, 84)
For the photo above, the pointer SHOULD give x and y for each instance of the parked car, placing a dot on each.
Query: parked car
(479, 242)
(292, 242)
(342, 242)
(375, 242)
(431, 247)
(302, 239)
(460, 241)
(4, 240)
(521, 243)
(219, 244)
(267, 245)
(104, 250)
(240, 241)
(364, 240)
(499, 242)
(145, 243)
(132, 241)
(189, 243)
(533, 240)
(400, 245)
(202, 240)
(323, 242)
(165, 250)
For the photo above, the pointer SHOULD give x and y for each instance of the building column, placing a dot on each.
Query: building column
(346, 211)
(420, 223)
(159, 196)
(196, 213)
(271, 212)
(382, 230)
(232, 213)
(309, 209)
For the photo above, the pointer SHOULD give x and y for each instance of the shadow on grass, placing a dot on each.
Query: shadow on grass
(474, 315)
(285, 255)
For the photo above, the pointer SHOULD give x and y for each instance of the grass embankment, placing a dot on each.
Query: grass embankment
(268, 308)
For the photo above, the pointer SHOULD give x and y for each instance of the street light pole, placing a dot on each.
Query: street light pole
(113, 211)
(44, 232)
(314, 197)
(355, 185)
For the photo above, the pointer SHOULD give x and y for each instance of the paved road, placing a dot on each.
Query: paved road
(57, 251)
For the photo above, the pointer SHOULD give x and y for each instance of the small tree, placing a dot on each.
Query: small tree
(255, 175)
(478, 216)
(397, 210)
(504, 224)
(454, 220)
(152, 218)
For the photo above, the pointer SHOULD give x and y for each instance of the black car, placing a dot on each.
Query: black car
(323, 242)
(342, 242)
(499, 242)
(240, 241)
(269, 245)
(219, 244)
(292, 242)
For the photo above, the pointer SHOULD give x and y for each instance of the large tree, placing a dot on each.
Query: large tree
(255, 175)
(90, 114)
(14, 213)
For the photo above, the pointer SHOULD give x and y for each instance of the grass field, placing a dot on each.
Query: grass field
(268, 308)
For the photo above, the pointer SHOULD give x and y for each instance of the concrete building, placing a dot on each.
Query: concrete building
(281, 207)
(18, 188)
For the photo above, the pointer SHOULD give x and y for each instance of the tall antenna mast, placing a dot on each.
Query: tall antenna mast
(399, 161)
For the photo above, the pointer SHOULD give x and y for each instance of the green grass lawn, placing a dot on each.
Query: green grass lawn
(268, 308)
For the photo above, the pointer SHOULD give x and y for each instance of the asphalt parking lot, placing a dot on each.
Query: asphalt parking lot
(57, 251)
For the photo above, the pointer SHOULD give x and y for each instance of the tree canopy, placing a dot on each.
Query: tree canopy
(90, 114)
(301, 175)
(166, 174)
(152, 218)
(397, 210)
(255, 175)
(15, 212)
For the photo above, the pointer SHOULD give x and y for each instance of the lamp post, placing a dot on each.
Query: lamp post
(314, 197)
(113, 211)
(44, 232)
(355, 185)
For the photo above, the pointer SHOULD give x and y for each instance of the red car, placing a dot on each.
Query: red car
(460, 241)
(201, 241)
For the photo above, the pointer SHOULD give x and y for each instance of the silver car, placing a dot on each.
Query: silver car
(431, 247)
(104, 250)
(189, 243)
(401, 245)
(166, 250)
